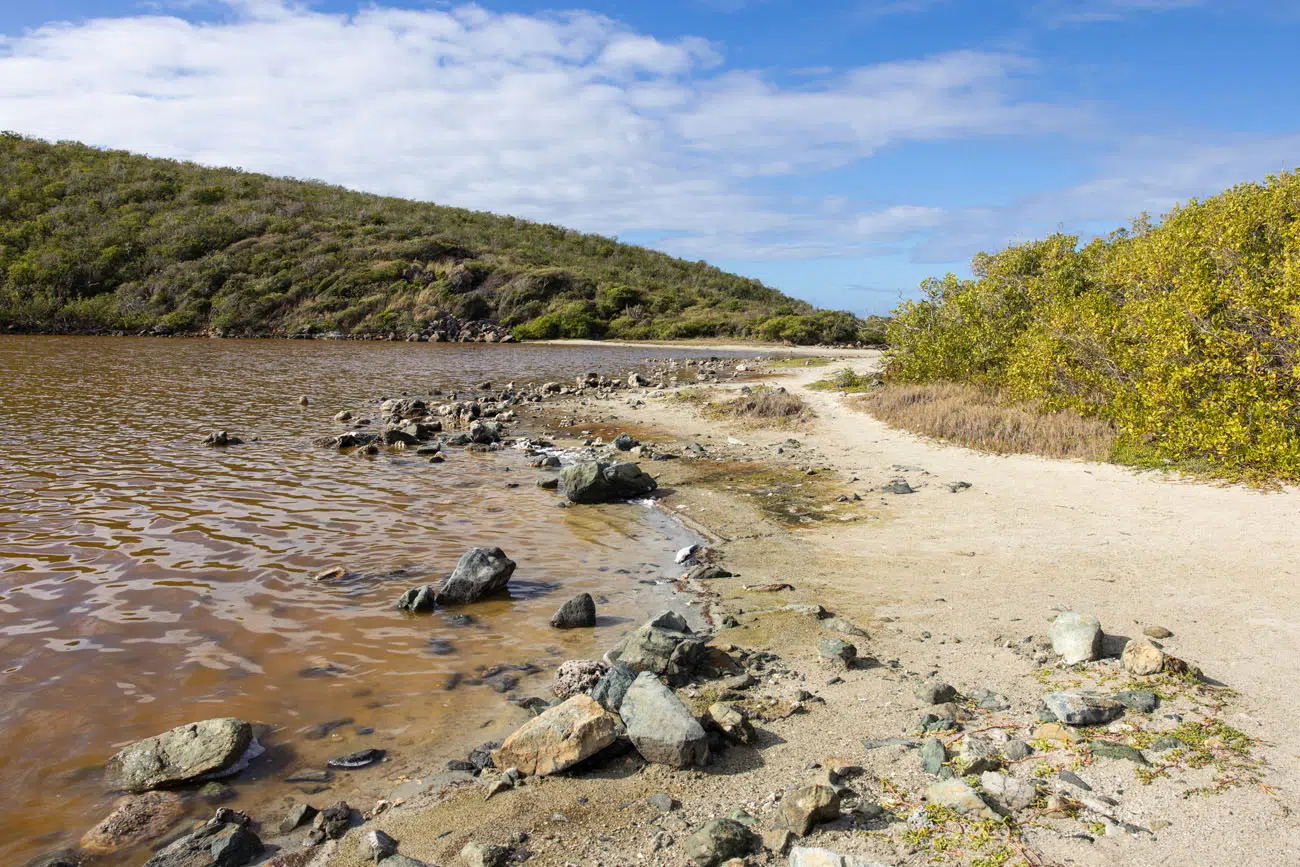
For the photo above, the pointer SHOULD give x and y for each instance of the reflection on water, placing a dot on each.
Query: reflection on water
(147, 580)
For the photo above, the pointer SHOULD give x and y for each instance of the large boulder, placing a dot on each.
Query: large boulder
(203, 749)
(559, 738)
(661, 728)
(224, 841)
(1076, 637)
(665, 646)
(597, 482)
(135, 819)
(480, 572)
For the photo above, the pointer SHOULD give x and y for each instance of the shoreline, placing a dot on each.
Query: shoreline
(936, 613)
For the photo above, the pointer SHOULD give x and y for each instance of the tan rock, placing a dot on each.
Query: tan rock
(1056, 733)
(135, 819)
(1156, 632)
(1142, 657)
(559, 738)
(807, 806)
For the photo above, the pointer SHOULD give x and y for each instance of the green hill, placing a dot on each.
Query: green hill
(105, 241)
(1184, 335)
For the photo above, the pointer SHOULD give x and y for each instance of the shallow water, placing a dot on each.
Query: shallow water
(147, 581)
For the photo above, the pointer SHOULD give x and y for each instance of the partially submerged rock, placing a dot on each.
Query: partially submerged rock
(480, 572)
(559, 738)
(578, 612)
(597, 482)
(1076, 637)
(135, 819)
(660, 727)
(418, 599)
(203, 749)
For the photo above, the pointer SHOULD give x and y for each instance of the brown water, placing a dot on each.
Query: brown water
(147, 581)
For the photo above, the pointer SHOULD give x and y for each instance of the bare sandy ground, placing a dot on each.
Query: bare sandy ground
(951, 584)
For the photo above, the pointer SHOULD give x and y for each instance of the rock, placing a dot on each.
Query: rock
(1076, 637)
(1140, 700)
(959, 797)
(1081, 709)
(1110, 750)
(401, 436)
(221, 438)
(134, 820)
(1016, 750)
(298, 815)
(343, 415)
(559, 738)
(418, 599)
(332, 822)
(1055, 733)
(837, 650)
(1174, 665)
(481, 756)
(225, 841)
(800, 857)
(575, 676)
(808, 806)
(624, 443)
(580, 611)
(1074, 780)
(549, 483)
(484, 433)
(377, 845)
(402, 861)
(203, 749)
(660, 726)
(1008, 793)
(636, 380)
(309, 775)
(65, 858)
(777, 840)
(612, 686)
(719, 841)
(981, 752)
(986, 699)
(359, 759)
(844, 627)
(480, 572)
(596, 482)
(898, 486)
(936, 693)
(215, 793)
(732, 722)
(484, 855)
(933, 755)
(1142, 658)
(661, 801)
(664, 646)
(1157, 632)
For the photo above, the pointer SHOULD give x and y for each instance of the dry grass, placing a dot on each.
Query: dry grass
(766, 406)
(967, 416)
(846, 381)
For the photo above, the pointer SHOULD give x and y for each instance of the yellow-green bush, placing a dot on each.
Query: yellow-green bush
(1185, 335)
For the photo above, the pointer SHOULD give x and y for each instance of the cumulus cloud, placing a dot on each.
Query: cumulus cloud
(570, 118)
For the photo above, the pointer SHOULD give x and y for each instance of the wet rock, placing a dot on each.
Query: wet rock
(401, 436)
(933, 755)
(359, 759)
(958, 796)
(549, 483)
(484, 855)
(660, 726)
(580, 611)
(332, 822)
(808, 806)
(732, 722)
(215, 793)
(484, 433)
(221, 438)
(298, 815)
(309, 775)
(1008, 793)
(66, 858)
(719, 841)
(344, 415)
(208, 748)
(480, 572)
(612, 686)
(377, 845)
(596, 482)
(664, 646)
(134, 820)
(837, 650)
(1142, 658)
(225, 841)
(418, 599)
(575, 676)
(1157, 632)
(1140, 700)
(1076, 637)
(1082, 709)
(624, 443)
(559, 738)
(936, 693)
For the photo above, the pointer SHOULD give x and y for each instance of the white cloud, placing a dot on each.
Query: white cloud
(569, 118)
(1060, 12)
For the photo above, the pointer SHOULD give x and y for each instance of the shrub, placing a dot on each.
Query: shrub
(766, 405)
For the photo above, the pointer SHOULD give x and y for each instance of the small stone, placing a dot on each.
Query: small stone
(661, 801)
(719, 841)
(1016, 750)
(356, 760)
(731, 721)
(578, 612)
(1055, 733)
(1160, 824)
(298, 815)
(808, 806)
(216, 793)
(844, 627)
(1140, 700)
(933, 755)
(377, 845)
(1166, 742)
(1156, 632)
(1009, 793)
(1110, 750)
(1076, 637)
(484, 855)
(1074, 780)
(936, 693)
(988, 700)
(958, 796)
(979, 753)
(837, 649)
(1082, 709)
(777, 840)
(1142, 658)
(333, 821)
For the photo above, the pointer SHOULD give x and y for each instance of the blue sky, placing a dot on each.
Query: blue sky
(840, 150)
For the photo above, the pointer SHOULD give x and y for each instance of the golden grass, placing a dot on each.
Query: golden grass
(970, 417)
(766, 406)
(847, 381)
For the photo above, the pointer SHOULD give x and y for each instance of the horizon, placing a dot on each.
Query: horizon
(841, 158)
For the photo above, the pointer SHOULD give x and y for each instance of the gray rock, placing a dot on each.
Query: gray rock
(418, 599)
(1081, 709)
(298, 815)
(484, 433)
(596, 482)
(660, 726)
(1016, 750)
(1109, 750)
(958, 796)
(1076, 637)
(898, 486)
(66, 858)
(807, 806)
(480, 572)
(580, 611)
(1074, 780)
(719, 841)
(624, 443)
(377, 845)
(309, 775)
(1140, 700)
(933, 755)
(661, 802)
(933, 692)
(203, 749)
(844, 627)
(837, 649)
(979, 753)
(484, 855)
(612, 686)
(664, 646)
(801, 857)
(1008, 793)
(332, 822)
(224, 841)
(402, 861)
(986, 699)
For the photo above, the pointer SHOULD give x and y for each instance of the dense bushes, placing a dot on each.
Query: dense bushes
(94, 240)
(1185, 335)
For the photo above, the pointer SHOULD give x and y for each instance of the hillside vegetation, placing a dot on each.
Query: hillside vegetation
(94, 240)
(1185, 336)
